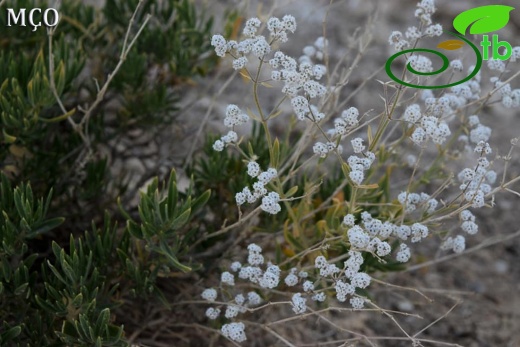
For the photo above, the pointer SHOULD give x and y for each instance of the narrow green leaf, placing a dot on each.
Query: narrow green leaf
(47, 226)
(345, 169)
(181, 220)
(201, 200)
(172, 194)
(56, 273)
(275, 160)
(78, 300)
(21, 289)
(102, 321)
(291, 192)
(10, 334)
(8, 138)
(59, 77)
(134, 229)
(84, 325)
(167, 251)
(58, 118)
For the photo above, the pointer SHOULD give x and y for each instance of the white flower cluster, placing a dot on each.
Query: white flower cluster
(476, 182)
(292, 279)
(296, 77)
(420, 63)
(433, 30)
(299, 304)
(358, 165)
(322, 149)
(457, 65)
(234, 117)
(424, 11)
(457, 244)
(252, 272)
(373, 236)
(347, 121)
(209, 294)
(403, 255)
(220, 144)
(432, 122)
(410, 201)
(515, 54)
(269, 199)
(345, 285)
(496, 64)
(299, 78)
(234, 331)
(315, 51)
(325, 268)
(427, 126)
(468, 222)
(397, 40)
(510, 98)
(253, 43)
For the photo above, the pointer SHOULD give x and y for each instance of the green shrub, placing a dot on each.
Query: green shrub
(59, 284)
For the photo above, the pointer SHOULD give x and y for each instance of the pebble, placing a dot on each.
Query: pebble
(501, 266)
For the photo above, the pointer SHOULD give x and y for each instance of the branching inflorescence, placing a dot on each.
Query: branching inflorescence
(377, 229)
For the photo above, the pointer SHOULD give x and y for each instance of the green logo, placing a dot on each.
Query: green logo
(479, 20)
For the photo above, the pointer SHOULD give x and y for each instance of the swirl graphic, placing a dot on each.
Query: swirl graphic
(445, 65)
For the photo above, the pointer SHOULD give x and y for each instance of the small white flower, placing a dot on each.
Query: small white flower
(434, 30)
(234, 331)
(456, 65)
(320, 149)
(419, 135)
(289, 23)
(361, 280)
(253, 169)
(459, 244)
(357, 144)
(412, 113)
(212, 313)
(383, 248)
(209, 294)
(343, 289)
(349, 220)
(235, 266)
(357, 303)
(227, 278)
(218, 146)
(319, 297)
(351, 116)
(231, 311)
(470, 227)
(291, 280)
(308, 286)
(239, 63)
(253, 299)
(403, 255)
(356, 176)
(357, 237)
(298, 303)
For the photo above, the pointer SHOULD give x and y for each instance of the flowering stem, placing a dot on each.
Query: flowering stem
(263, 119)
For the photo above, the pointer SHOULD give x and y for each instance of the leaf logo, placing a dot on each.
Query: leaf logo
(451, 45)
(483, 19)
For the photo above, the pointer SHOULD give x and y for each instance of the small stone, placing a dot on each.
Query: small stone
(501, 266)
(405, 305)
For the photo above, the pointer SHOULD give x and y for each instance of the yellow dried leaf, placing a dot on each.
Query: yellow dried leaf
(451, 45)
